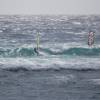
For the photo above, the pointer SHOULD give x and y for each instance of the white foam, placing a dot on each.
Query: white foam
(51, 62)
(77, 23)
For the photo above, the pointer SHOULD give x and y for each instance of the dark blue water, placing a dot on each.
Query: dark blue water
(66, 68)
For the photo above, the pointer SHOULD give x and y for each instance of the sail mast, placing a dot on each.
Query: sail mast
(37, 41)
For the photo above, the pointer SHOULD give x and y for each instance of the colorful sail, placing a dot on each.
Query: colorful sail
(90, 38)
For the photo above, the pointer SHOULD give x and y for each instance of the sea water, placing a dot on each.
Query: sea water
(66, 68)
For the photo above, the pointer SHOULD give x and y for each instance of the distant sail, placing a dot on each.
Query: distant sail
(90, 38)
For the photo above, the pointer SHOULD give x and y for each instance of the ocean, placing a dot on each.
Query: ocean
(66, 67)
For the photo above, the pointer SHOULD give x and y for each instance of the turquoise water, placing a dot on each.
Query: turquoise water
(29, 52)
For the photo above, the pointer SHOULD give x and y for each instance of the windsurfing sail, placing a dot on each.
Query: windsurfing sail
(37, 41)
(90, 38)
(36, 49)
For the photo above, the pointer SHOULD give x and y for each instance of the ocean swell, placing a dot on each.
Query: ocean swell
(29, 52)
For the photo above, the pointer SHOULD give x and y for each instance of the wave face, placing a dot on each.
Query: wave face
(17, 52)
(29, 52)
(76, 51)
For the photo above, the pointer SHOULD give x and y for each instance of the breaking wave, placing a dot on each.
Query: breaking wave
(29, 52)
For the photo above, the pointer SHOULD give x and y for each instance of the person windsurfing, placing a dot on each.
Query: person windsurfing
(90, 38)
(36, 49)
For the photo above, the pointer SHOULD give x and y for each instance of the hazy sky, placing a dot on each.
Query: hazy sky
(49, 6)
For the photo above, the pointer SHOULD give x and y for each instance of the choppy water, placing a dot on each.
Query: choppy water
(67, 69)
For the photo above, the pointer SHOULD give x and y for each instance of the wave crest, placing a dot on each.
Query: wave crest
(29, 52)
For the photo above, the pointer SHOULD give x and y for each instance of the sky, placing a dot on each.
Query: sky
(49, 7)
